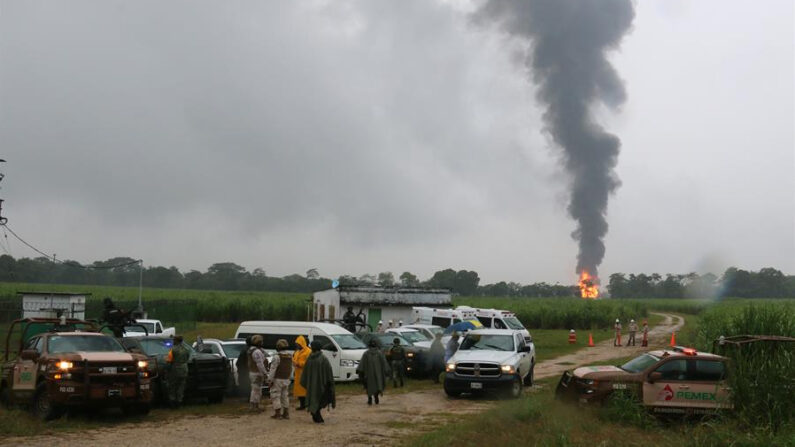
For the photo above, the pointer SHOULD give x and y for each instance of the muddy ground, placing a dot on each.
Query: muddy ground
(352, 423)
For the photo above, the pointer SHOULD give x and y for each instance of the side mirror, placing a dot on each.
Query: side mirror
(29, 354)
(525, 348)
(655, 376)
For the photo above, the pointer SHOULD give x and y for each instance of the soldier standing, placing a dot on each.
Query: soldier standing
(397, 356)
(349, 320)
(279, 379)
(617, 328)
(437, 357)
(633, 328)
(257, 369)
(177, 358)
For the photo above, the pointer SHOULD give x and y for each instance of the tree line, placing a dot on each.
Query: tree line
(124, 271)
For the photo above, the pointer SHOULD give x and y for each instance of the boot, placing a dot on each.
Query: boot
(285, 414)
(376, 399)
(319, 417)
(277, 414)
(369, 400)
(302, 402)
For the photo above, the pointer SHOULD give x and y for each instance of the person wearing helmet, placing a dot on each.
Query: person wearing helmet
(391, 324)
(380, 327)
(400, 323)
(257, 370)
(633, 328)
(397, 356)
(617, 328)
(279, 380)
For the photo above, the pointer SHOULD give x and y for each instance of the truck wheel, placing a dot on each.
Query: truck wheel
(528, 379)
(516, 388)
(216, 398)
(43, 407)
(450, 392)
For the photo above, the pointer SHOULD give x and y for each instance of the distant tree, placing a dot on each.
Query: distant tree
(386, 279)
(407, 279)
(348, 280)
(226, 275)
(312, 274)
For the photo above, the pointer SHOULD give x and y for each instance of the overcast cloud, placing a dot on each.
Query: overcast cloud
(359, 137)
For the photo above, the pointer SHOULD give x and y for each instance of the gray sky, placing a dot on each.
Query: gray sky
(361, 136)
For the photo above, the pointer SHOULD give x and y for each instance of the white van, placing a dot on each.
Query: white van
(441, 317)
(499, 319)
(341, 348)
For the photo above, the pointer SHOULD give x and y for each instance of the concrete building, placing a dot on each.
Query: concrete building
(376, 303)
(53, 304)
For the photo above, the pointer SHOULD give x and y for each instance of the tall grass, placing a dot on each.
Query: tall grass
(762, 374)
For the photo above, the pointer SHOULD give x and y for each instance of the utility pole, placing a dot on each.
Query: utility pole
(140, 284)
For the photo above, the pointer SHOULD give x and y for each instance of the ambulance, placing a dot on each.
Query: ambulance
(498, 319)
(441, 317)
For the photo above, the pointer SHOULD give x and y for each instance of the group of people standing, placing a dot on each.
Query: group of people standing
(314, 378)
(632, 329)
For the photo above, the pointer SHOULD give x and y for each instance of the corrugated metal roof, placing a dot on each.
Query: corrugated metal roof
(394, 296)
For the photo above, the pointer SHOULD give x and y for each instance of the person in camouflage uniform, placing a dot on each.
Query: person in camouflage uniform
(177, 359)
(397, 356)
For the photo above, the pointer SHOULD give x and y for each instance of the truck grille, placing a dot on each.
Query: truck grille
(477, 369)
(102, 373)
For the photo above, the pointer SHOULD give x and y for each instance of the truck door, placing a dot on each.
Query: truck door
(25, 369)
(331, 353)
(708, 387)
(524, 363)
(670, 389)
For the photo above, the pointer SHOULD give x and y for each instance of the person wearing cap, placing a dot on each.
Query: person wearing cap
(373, 371)
(318, 379)
(380, 327)
(177, 359)
(617, 328)
(257, 370)
(279, 373)
(397, 357)
(391, 324)
(633, 328)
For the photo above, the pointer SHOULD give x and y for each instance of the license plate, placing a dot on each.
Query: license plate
(114, 393)
(476, 386)
(109, 370)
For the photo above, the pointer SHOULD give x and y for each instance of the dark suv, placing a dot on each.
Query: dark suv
(416, 357)
(208, 374)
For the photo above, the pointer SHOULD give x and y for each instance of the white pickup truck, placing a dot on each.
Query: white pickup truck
(153, 327)
(490, 359)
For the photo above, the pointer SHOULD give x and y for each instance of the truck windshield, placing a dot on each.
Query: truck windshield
(513, 323)
(75, 343)
(150, 327)
(488, 342)
(639, 364)
(348, 341)
(159, 346)
(414, 336)
(233, 350)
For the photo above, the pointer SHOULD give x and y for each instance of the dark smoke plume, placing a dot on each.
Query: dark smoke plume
(568, 61)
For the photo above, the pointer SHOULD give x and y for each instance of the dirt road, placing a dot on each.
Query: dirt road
(353, 423)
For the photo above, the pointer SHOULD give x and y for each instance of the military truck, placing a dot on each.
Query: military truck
(54, 364)
(208, 373)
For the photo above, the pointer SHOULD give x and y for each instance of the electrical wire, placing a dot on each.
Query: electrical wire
(69, 263)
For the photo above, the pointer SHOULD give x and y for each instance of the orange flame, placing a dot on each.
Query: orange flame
(589, 286)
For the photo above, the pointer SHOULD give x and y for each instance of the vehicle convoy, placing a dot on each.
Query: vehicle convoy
(230, 350)
(490, 359)
(61, 364)
(207, 373)
(680, 380)
(342, 349)
(416, 357)
(153, 327)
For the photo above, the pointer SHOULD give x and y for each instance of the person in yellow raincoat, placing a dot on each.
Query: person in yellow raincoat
(299, 360)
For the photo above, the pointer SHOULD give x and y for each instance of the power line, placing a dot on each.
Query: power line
(69, 263)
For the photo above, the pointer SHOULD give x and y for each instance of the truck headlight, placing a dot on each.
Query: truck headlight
(347, 363)
(450, 367)
(142, 364)
(508, 369)
(410, 355)
(63, 365)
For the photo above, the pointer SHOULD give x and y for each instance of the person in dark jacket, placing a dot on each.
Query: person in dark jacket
(452, 347)
(397, 356)
(318, 379)
(437, 357)
(373, 370)
(243, 383)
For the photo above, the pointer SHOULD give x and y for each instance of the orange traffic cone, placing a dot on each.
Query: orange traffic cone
(673, 339)
(590, 340)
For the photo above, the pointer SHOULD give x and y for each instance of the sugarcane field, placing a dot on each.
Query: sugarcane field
(397, 223)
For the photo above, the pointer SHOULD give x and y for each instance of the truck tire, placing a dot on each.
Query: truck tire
(43, 408)
(529, 379)
(450, 392)
(515, 391)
